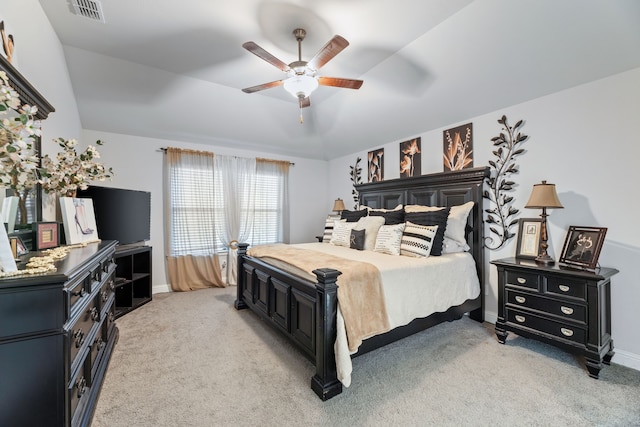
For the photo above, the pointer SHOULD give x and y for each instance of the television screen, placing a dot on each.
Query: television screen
(122, 215)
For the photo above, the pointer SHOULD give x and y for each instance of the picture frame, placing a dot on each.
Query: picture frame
(410, 160)
(376, 165)
(47, 235)
(18, 247)
(457, 148)
(79, 220)
(582, 247)
(529, 238)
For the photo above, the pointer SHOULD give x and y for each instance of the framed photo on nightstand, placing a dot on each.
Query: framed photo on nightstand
(582, 246)
(529, 238)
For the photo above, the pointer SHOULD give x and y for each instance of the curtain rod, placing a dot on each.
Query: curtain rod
(164, 150)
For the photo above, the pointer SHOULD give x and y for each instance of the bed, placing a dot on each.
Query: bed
(306, 309)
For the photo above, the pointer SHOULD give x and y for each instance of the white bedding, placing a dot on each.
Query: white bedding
(413, 288)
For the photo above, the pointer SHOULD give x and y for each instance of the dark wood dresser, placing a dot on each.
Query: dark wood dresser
(564, 307)
(57, 333)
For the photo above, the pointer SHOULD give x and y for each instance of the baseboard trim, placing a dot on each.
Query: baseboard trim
(625, 358)
(159, 289)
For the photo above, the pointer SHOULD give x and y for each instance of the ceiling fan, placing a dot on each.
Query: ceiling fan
(302, 78)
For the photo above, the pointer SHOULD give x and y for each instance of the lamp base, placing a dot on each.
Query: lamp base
(545, 259)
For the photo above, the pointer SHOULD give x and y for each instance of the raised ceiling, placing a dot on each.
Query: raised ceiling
(175, 69)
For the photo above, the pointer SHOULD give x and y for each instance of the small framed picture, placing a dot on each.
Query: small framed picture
(529, 238)
(46, 235)
(18, 247)
(582, 246)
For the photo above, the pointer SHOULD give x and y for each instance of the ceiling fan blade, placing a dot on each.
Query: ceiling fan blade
(328, 51)
(263, 86)
(339, 82)
(305, 102)
(261, 53)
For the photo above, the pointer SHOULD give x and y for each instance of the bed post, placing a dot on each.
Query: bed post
(325, 382)
(240, 304)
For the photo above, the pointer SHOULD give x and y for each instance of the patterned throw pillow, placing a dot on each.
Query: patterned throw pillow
(328, 228)
(439, 218)
(417, 239)
(357, 239)
(389, 238)
(342, 233)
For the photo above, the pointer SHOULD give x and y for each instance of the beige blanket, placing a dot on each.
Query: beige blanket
(360, 293)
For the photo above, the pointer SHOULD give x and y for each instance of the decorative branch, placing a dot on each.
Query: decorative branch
(500, 217)
(355, 173)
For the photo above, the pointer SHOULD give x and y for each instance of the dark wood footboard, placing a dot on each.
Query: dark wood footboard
(305, 311)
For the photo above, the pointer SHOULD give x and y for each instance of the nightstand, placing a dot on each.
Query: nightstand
(567, 308)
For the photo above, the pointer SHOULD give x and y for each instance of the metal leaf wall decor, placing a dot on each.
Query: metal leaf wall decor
(355, 173)
(500, 216)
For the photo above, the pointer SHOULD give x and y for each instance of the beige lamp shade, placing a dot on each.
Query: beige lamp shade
(544, 196)
(338, 205)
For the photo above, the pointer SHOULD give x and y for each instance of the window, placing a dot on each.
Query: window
(200, 207)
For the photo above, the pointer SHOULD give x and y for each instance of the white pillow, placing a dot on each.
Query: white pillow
(389, 238)
(370, 225)
(456, 221)
(417, 239)
(450, 246)
(342, 233)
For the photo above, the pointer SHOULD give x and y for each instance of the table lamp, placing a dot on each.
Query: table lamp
(544, 196)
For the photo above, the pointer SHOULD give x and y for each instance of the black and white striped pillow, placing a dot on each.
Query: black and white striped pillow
(328, 228)
(417, 240)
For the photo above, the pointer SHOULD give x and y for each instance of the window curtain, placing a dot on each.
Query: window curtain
(235, 186)
(192, 262)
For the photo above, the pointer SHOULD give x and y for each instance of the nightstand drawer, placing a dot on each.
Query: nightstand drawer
(561, 309)
(557, 329)
(564, 287)
(524, 279)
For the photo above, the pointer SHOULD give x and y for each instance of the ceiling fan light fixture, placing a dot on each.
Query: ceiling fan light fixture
(300, 86)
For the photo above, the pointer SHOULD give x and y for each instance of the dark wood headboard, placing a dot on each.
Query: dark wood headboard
(437, 189)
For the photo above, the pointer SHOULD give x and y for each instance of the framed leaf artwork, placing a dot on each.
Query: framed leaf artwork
(410, 161)
(458, 148)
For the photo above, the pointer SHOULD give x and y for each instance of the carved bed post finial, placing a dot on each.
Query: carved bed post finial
(325, 382)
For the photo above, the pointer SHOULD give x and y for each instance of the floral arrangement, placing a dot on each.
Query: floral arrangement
(72, 171)
(18, 130)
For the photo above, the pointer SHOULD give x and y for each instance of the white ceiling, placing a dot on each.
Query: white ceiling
(174, 69)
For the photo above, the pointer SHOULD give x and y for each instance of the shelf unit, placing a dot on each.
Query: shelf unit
(133, 278)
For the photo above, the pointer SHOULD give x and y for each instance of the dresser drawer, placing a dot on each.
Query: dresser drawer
(523, 279)
(79, 331)
(555, 328)
(561, 309)
(77, 292)
(557, 285)
(78, 390)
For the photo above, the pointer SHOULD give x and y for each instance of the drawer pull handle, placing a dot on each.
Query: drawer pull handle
(81, 385)
(564, 288)
(520, 319)
(566, 332)
(566, 310)
(79, 338)
(105, 295)
(112, 285)
(82, 292)
(520, 299)
(521, 280)
(95, 315)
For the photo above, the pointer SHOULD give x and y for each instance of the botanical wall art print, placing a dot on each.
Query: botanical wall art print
(458, 148)
(410, 161)
(7, 43)
(376, 165)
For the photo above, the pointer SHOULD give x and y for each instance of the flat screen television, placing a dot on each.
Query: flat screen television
(122, 215)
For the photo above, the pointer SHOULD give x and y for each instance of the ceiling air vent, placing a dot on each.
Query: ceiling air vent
(91, 9)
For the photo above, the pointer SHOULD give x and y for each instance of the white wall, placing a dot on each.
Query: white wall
(584, 140)
(138, 163)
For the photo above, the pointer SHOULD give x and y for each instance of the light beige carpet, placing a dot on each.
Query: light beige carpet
(191, 359)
